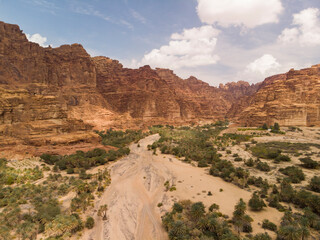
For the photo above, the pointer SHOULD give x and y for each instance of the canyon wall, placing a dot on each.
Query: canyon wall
(291, 99)
(51, 94)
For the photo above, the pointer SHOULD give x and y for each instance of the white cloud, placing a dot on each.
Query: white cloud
(138, 16)
(191, 48)
(37, 38)
(265, 65)
(246, 13)
(307, 30)
(86, 9)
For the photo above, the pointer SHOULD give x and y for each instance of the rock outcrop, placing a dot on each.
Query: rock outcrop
(291, 99)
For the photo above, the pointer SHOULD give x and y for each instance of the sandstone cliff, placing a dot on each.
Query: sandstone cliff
(289, 99)
(57, 95)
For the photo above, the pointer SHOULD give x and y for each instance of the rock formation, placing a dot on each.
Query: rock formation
(291, 99)
(58, 95)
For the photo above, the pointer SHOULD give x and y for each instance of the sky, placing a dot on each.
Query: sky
(217, 41)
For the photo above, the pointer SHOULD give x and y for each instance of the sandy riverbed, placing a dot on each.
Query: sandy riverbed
(138, 186)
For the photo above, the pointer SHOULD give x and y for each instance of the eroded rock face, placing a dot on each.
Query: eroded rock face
(289, 99)
(59, 94)
(38, 88)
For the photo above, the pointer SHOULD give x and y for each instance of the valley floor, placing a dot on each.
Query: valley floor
(137, 187)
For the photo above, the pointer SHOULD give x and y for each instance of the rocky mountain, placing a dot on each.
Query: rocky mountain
(291, 99)
(58, 95)
(54, 92)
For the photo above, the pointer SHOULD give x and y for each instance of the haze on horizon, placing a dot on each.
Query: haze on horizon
(216, 41)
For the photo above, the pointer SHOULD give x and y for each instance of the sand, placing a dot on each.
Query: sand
(138, 186)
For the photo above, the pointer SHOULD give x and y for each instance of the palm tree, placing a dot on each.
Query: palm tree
(197, 211)
(103, 211)
(239, 214)
(305, 225)
(289, 232)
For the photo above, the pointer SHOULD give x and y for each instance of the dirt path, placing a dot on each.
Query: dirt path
(137, 187)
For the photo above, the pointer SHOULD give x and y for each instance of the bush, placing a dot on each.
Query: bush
(177, 207)
(70, 171)
(309, 163)
(249, 163)
(262, 236)
(266, 224)
(213, 207)
(238, 159)
(282, 158)
(295, 174)
(202, 164)
(314, 184)
(256, 203)
(263, 166)
(89, 223)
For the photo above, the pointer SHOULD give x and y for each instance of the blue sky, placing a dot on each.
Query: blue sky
(216, 41)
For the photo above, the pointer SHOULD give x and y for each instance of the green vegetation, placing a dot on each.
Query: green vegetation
(120, 139)
(295, 174)
(240, 219)
(102, 212)
(82, 160)
(256, 203)
(194, 144)
(89, 223)
(29, 208)
(265, 126)
(193, 222)
(307, 162)
(266, 224)
(294, 226)
(271, 150)
(263, 166)
(10, 175)
(314, 184)
(238, 138)
(30, 203)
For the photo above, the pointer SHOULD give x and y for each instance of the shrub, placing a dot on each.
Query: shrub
(70, 170)
(249, 163)
(263, 166)
(309, 163)
(89, 223)
(295, 174)
(256, 203)
(262, 236)
(314, 184)
(213, 207)
(177, 207)
(202, 164)
(282, 158)
(266, 224)
(238, 159)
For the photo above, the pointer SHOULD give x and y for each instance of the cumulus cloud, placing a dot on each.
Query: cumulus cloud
(267, 64)
(307, 28)
(246, 13)
(37, 38)
(191, 48)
